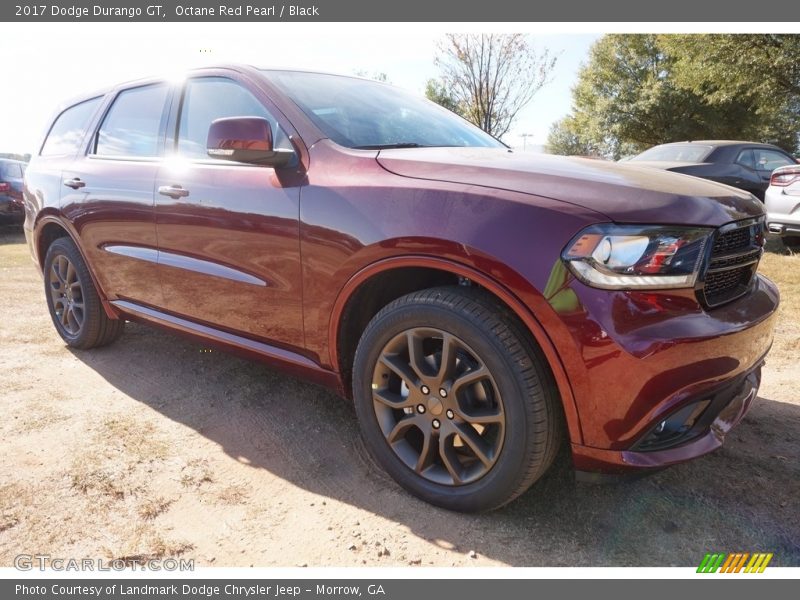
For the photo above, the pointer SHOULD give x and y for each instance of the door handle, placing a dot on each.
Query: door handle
(173, 191)
(75, 183)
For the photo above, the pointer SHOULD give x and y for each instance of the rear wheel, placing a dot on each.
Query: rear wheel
(454, 401)
(73, 301)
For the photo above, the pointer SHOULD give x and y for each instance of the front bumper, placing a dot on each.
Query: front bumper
(730, 404)
(11, 210)
(646, 358)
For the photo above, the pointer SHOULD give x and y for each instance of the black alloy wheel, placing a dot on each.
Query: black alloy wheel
(73, 301)
(455, 400)
(66, 294)
(438, 406)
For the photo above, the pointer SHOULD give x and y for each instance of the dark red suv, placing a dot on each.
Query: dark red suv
(481, 307)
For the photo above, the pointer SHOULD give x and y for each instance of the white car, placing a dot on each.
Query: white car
(782, 202)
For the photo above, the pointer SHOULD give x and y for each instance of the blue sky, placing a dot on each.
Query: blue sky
(52, 62)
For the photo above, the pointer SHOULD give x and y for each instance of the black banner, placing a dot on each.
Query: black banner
(391, 589)
(711, 11)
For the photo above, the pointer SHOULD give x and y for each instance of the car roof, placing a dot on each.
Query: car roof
(237, 67)
(316, 72)
(719, 143)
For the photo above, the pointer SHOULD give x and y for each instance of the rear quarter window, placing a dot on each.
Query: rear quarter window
(10, 171)
(66, 133)
(769, 160)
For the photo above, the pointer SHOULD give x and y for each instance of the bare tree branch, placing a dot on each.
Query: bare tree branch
(492, 77)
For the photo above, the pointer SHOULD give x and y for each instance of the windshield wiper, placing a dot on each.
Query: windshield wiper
(391, 146)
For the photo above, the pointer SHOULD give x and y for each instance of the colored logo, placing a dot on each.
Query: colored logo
(743, 562)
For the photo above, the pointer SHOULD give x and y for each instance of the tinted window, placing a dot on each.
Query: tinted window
(745, 159)
(9, 170)
(131, 126)
(67, 132)
(769, 160)
(210, 98)
(676, 153)
(365, 114)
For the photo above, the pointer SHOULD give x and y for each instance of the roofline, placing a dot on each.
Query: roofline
(718, 143)
(236, 67)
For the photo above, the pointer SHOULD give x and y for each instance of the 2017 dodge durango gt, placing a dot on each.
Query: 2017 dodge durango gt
(480, 307)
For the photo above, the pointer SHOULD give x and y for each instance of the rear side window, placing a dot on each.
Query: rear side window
(10, 171)
(67, 132)
(132, 125)
(746, 159)
(210, 98)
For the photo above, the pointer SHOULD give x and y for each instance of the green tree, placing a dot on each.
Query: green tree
(638, 91)
(759, 70)
(489, 78)
(437, 92)
(627, 99)
(566, 137)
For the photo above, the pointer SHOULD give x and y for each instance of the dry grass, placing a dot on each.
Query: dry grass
(37, 416)
(12, 502)
(14, 252)
(138, 440)
(150, 508)
(118, 458)
(195, 473)
(143, 543)
(783, 267)
(232, 494)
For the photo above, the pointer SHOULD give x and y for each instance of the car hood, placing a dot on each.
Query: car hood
(623, 192)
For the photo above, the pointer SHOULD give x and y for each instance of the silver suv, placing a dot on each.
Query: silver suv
(782, 201)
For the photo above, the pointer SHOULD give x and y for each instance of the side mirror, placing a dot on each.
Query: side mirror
(247, 140)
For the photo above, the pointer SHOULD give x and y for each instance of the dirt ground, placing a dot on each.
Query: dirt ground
(158, 447)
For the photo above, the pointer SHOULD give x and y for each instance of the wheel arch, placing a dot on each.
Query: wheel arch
(48, 229)
(344, 330)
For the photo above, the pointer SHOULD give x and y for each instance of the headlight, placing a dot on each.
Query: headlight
(637, 256)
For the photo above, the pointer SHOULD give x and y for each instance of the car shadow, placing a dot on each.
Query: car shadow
(11, 234)
(744, 497)
(774, 245)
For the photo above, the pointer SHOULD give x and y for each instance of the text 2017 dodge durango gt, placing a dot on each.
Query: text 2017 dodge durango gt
(480, 307)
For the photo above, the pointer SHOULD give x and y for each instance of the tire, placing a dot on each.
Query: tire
(496, 389)
(76, 309)
(792, 242)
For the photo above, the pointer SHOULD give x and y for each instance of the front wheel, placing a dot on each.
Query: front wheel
(454, 401)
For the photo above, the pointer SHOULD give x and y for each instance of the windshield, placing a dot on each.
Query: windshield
(676, 153)
(358, 113)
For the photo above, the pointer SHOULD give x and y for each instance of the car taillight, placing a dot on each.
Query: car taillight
(4, 187)
(785, 176)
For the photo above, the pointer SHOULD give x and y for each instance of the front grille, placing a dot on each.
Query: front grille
(732, 241)
(732, 263)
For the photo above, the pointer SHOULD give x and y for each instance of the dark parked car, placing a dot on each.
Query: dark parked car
(480, 307)
(745, 165)
(11, 207)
